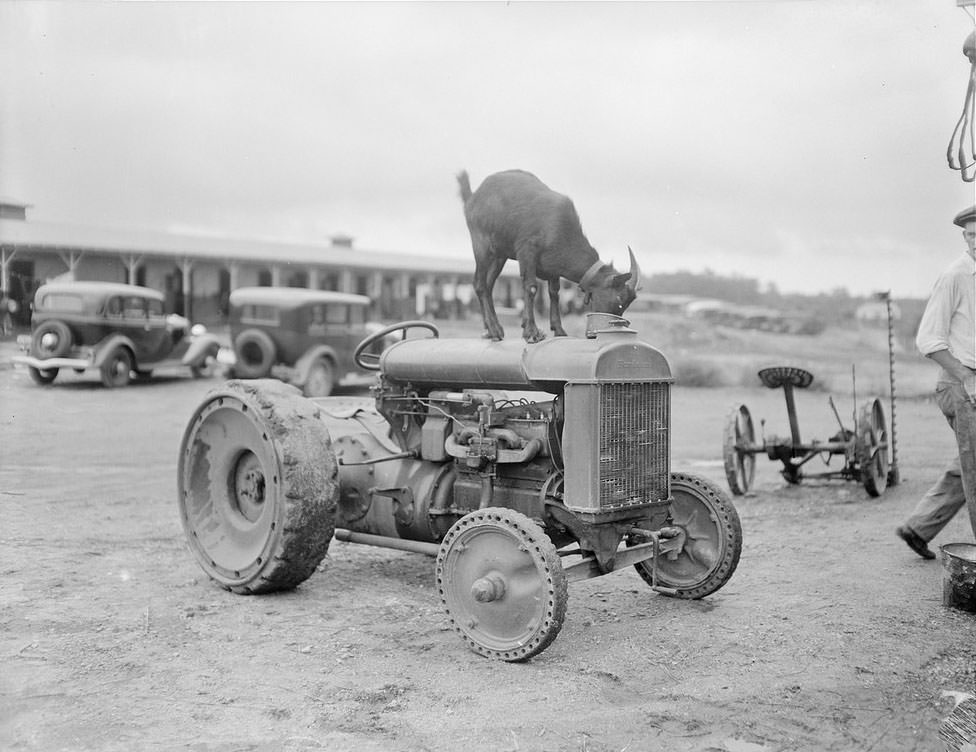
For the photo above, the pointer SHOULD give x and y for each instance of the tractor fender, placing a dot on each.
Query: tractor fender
(304, 364)
(107, 345)
(201, 347)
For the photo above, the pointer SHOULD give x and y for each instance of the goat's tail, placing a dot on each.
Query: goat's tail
(465, 184)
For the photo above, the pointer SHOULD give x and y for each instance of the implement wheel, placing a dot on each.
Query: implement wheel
(502, 583)
(713, 540)
(740, 465)
(871, 448)
(258, 486)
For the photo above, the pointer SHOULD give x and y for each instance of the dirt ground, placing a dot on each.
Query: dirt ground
(831, 635)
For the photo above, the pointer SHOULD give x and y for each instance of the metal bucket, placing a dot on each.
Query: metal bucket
(959, 576)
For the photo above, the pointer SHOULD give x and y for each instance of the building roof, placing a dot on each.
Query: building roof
(66, 237)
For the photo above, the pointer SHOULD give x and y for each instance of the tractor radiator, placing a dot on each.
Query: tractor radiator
(616, 445)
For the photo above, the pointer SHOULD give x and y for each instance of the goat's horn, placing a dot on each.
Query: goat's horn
(634, 282)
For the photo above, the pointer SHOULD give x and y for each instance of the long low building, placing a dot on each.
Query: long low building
(196, 273)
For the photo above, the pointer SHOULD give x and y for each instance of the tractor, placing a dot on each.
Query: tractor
(520, 467)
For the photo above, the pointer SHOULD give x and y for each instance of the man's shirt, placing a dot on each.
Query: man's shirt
(949, 321)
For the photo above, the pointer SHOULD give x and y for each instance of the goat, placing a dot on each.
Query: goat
(514, 215)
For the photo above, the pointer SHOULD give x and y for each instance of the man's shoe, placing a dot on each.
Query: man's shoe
(915, 542)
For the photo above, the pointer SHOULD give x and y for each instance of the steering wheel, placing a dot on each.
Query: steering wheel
(371, 361)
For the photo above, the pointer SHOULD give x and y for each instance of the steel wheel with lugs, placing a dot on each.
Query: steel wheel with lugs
(709, 524)
(258, 486)
(501, 581)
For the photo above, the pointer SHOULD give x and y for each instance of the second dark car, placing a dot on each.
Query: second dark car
(301, 336)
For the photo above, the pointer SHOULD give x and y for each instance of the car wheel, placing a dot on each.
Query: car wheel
(321, 379)
(51, 339)
(205, 368)
(255, 354)
(117, 368)
(42, 376)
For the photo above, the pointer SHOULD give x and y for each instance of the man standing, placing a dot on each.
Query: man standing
(947, 335)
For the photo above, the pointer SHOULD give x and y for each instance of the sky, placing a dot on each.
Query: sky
(801, 143)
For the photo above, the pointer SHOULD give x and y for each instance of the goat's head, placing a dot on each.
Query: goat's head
(615, 292)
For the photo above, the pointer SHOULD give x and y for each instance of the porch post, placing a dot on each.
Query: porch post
(186, 267)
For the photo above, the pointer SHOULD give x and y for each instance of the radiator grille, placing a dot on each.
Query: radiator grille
(634, 444)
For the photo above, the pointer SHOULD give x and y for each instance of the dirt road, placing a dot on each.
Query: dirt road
(830, 636)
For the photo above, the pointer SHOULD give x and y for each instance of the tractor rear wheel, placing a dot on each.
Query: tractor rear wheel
(871, 448)
(501, 581)
(713, 540)
(258, 486)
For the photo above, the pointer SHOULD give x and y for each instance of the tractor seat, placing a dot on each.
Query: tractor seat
(777, 376)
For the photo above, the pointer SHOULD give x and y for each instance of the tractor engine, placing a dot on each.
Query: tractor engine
(577, 424)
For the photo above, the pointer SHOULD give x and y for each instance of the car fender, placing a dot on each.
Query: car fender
(201, 347)
(103, 348)
(304, 363)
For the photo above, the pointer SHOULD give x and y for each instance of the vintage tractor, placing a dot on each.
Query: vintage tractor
(521, 467)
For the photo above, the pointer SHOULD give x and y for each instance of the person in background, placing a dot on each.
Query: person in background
(947, 335)
(8, 307)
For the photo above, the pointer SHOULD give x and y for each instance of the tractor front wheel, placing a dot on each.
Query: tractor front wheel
(258, 486)
(705, 516)
(501, 581)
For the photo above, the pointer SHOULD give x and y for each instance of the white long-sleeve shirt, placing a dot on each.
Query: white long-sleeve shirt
(949, 321)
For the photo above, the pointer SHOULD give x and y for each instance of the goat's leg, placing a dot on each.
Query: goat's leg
(530, 285)
(555, 315)
(486, 271)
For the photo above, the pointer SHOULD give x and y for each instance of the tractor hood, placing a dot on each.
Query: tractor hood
(610, 352)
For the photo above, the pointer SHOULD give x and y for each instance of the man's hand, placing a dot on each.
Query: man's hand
(969, 384)
(952, 366)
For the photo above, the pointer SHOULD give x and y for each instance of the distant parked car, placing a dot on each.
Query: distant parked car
(121, 330)
(304, 337)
